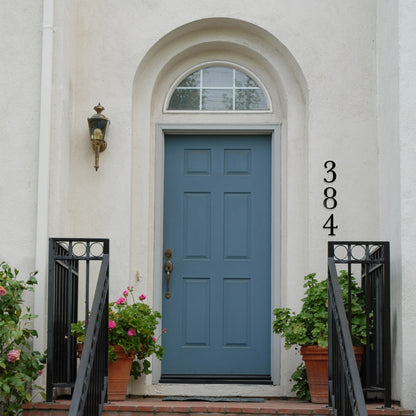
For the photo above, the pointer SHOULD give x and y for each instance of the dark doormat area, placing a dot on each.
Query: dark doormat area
(214, 399)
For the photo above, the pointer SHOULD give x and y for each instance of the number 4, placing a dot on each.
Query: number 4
(329, 225)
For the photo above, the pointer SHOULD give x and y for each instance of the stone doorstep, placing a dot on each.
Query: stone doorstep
(157, 407)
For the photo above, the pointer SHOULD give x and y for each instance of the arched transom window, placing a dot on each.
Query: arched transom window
(218, 88)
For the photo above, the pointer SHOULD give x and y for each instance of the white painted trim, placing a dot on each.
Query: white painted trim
(45, 135)
(272, 129)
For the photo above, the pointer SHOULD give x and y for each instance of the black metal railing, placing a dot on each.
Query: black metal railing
(345, 393)
(375, 273)
(371, 260)
(72, 264)
(90, 391)
(62, 310)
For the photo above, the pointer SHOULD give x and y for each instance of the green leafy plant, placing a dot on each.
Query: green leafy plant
(310, 325)
(301, 386)
(131, 326)
(19, 365)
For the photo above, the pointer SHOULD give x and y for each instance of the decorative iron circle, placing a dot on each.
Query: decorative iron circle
(96, 249)
(341, 252)
(359, 252)
(79, 248)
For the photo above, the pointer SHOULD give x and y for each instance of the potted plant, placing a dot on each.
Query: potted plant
(19, 364)
(131, 338)
(308, 329)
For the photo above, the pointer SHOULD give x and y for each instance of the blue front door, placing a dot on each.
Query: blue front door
(217, 224)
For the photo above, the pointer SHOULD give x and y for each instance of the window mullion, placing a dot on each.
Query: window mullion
(233, 89)
(200, 89)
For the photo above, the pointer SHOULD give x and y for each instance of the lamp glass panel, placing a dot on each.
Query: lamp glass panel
(97, 123)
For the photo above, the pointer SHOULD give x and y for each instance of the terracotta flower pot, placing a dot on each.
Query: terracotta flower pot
(118, 373)
(316, 362)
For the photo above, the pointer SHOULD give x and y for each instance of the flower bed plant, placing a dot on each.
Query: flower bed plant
(19, 365)
(132, 326)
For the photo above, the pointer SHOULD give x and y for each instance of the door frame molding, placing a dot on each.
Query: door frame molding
(221, 129)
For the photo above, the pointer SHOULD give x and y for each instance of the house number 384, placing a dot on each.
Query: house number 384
(330, 193)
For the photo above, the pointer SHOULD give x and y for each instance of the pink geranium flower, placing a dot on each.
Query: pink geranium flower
(154, 339)
(111, 325)
(125, 292)
(120, 300)
(131, 332)
(40, 372)
(13, 355)
(142, 297)
(3, 291)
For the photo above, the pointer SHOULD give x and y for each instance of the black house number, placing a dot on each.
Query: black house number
(330, 202)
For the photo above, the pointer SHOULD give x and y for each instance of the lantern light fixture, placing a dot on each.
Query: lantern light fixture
(98, 124)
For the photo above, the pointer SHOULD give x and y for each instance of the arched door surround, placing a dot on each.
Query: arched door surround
(191, 45)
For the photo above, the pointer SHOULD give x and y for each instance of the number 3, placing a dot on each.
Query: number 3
(330, 165)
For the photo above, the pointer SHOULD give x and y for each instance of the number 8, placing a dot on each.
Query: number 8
(330, 202)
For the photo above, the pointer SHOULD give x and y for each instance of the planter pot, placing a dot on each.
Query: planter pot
(316, 362)
(118, 373)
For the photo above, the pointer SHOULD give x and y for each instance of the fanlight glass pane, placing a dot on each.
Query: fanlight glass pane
(185, 99)
(192, 80)
(249, 100)
(218, 88)
(217, 76)
(243, 80)
(217, 99)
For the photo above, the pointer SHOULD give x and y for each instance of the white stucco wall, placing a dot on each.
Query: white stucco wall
(331, 70)
(396, 93)
(389, 159)
(407, 128)
(20, 51)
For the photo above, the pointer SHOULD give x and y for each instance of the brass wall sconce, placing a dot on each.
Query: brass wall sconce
(98, 124)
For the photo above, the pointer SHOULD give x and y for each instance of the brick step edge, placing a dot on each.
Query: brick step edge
(111, 409)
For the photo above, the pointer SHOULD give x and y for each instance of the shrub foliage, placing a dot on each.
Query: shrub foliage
(19, 365)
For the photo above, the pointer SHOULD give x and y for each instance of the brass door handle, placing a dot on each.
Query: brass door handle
(168, 270)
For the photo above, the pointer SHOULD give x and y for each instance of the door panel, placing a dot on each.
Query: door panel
(217, 221)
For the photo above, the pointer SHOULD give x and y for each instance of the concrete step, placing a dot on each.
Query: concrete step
(157, 407)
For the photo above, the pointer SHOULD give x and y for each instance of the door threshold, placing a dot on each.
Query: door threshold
(215, 379)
